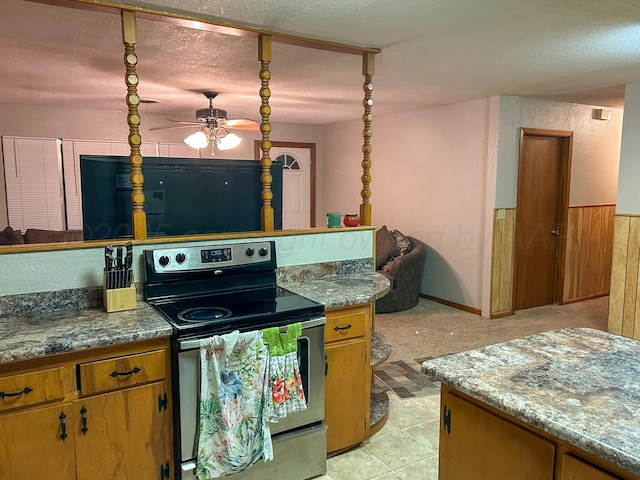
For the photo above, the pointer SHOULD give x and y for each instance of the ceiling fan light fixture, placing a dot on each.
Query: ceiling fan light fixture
(228, 141)
(197, 140)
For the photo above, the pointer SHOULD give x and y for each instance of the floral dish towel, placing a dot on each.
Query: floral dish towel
(234, 433)
(285, 383)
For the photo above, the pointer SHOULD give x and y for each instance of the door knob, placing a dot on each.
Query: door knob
(555, 232)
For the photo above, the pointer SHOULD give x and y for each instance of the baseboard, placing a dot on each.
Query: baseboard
(582, 299)
(459, 306)
(506, 313)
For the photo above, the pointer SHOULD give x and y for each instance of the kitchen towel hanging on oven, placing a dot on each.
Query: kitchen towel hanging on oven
(234, 433)
(285, 383)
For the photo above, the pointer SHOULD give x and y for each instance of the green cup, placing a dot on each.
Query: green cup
(333, 219)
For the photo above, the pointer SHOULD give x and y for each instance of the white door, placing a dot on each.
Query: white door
(296, 186)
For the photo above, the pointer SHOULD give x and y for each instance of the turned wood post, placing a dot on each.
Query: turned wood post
(368, 63)
(264, 56)
(129, 39)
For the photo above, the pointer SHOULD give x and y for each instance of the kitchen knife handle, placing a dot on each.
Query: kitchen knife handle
(128, 260)
(108, 257)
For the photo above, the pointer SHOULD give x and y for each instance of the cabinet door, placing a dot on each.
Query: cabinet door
(32, 444)
(575, 469)
(345, 394)
(126, 436)
(475, 443)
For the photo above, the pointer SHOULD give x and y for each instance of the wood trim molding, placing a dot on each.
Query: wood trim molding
(210, 24)
(546, 133)
(458, 306)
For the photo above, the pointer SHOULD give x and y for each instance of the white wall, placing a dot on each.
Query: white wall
(628, 200)
(428, 181)
(596, 148)
(437, 174)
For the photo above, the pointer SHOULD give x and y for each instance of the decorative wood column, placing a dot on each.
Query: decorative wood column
(368, 64)
(129, 39)
(264, 56)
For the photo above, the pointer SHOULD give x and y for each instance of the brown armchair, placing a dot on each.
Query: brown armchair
(404, 271)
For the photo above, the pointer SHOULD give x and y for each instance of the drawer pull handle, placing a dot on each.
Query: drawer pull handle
(83, 412)
(163, 402)
(446, 419)
(63, 426)
(24, 391)
(115, 373)
(164, 471)
(337, 328)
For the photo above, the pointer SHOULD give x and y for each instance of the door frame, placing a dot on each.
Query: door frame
(563, 206)
(312, 174)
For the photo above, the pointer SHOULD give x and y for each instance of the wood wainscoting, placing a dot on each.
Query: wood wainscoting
(504, 222)
(624, 303)
(587, 267)
(587, 263)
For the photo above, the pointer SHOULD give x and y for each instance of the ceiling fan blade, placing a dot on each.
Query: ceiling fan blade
(189, 125)
(242, 124)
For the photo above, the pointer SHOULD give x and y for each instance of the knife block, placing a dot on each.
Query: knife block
(118, 299)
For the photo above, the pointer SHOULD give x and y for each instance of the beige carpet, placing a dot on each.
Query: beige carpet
(431, 329)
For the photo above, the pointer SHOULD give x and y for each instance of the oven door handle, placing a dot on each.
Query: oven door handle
(195, 343)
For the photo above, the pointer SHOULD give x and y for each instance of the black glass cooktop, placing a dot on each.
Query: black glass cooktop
(242, 310)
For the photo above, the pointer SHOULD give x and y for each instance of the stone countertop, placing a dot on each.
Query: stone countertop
(46, 333)
(39, 335)
(577, 384)
(341, 290)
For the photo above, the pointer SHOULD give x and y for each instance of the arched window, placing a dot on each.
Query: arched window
(288, 161)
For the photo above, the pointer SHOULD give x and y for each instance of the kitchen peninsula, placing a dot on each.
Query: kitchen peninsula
(560, 404)
(64, 342)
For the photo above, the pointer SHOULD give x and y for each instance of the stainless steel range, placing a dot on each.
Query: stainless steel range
(212, 290)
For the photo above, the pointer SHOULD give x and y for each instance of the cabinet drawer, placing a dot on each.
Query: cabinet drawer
(121, 372)
(31, 388)
(343, 327)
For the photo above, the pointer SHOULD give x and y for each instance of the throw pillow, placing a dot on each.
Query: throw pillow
(9, 236)
(402, 241)
(386, 246)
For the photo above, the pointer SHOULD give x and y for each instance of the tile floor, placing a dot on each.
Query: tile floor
(405, 448)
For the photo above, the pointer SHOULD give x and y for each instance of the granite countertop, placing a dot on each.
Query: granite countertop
(41, 333)
(577, 384)
(342, 290)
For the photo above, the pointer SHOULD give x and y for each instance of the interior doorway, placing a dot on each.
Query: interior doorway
(298, 181)
(541, 216)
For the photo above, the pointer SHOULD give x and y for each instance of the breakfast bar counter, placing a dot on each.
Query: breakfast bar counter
(576, 388)
(342, 290)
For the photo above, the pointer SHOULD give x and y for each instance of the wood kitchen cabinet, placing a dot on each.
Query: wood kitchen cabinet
(478, 441)
(477, 444)
(125, 436)
(101, 413)
(573, 468)
(31, 446)
(348, 375)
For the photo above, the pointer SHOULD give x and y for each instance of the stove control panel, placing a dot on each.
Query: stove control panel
(211, 257)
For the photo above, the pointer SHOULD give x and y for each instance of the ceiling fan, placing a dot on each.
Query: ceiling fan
(213, 127)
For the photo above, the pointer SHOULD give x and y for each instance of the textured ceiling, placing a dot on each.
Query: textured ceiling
(433, 52)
